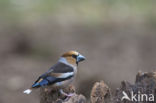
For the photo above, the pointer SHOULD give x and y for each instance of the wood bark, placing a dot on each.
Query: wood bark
(145, 83)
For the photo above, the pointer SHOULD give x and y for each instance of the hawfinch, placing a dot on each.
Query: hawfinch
(61, 74)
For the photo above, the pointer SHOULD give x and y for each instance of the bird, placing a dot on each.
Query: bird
(60, 74)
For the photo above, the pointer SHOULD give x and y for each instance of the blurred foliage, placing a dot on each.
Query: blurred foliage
(87, 10)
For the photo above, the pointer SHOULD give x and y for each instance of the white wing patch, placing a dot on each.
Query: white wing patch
(65, 75)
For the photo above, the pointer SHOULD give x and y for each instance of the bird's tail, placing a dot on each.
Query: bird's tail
(27, 91)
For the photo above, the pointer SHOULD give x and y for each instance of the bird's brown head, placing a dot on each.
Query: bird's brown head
(73, 57)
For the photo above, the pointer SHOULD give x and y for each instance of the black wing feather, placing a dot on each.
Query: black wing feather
(46, 78)
(61, 68)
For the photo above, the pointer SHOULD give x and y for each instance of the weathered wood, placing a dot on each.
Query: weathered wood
(74, 99)
(100, 93)
(54, 96)
(145, 84)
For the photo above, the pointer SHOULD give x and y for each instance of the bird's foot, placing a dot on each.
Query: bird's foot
(68, 95)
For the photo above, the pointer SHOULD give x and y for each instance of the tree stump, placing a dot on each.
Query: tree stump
(100, 93)
(54, 96)
(145, 83)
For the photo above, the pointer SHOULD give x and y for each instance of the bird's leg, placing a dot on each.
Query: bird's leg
(68, 95)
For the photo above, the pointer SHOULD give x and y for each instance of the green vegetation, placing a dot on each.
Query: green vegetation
(90, 11)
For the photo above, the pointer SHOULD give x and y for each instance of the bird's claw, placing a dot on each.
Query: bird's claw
(68, 95)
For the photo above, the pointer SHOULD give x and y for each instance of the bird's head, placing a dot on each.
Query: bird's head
(73, 57)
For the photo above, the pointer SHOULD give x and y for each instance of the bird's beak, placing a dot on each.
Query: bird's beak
(80, 58)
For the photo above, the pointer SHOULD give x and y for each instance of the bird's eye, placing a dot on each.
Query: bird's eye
(74, 56)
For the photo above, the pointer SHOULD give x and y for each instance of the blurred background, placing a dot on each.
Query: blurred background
(118, 38)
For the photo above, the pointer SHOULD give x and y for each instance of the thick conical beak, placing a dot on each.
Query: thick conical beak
(80, 58)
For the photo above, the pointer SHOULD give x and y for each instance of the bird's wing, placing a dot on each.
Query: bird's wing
(59, 72)
(61, 68)
(48, 80)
